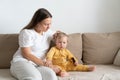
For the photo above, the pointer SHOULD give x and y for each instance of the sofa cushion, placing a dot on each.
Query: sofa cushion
(75, 45)
(117, 59)
(101, 73)
(6, 75)
(8, 46)
(100, 48)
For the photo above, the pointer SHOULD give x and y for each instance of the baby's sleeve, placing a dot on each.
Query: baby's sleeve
(50, 54)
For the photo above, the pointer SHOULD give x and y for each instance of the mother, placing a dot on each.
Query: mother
(34, 39)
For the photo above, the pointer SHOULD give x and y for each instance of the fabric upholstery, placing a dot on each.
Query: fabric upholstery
(75, 45)
(8, 46)
(117, 59)
(91, 48)
(101, 73)
(100, 48)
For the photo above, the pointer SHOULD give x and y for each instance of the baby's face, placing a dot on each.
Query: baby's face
(61, 43)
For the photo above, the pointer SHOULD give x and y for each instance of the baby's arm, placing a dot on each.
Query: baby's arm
(72, 58)
(75, 62)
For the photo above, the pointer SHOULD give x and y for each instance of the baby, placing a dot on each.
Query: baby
(61, 60)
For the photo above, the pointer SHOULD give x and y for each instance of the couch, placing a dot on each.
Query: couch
(99, 49)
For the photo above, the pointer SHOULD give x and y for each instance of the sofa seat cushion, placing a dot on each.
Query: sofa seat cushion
(5, 75)
(100, 48)
(110, 76)
(101, 73)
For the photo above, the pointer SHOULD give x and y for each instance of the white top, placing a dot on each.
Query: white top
(39, 44)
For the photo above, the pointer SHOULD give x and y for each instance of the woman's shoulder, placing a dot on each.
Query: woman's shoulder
(27, 31)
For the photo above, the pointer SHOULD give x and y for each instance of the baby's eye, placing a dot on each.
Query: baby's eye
(64, 42)
(45, 24)
(60, 42)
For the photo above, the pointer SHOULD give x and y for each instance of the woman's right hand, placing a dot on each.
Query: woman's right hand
(48, 63)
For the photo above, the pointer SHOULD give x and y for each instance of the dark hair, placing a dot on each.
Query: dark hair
(39, 16)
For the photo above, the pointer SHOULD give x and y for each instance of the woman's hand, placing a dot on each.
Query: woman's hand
(48, 63)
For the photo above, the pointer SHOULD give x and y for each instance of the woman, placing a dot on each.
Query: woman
(28, 61)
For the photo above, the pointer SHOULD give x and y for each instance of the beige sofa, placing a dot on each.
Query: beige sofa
(100, 49)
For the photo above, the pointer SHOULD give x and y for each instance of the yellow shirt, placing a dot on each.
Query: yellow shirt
(60, 57)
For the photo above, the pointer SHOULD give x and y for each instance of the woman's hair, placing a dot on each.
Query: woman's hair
(38, 16)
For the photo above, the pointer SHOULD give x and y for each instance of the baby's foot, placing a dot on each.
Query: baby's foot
(63, 74)
(91, 68)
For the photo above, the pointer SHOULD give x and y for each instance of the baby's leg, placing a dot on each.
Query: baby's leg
(81, 67)
(91, 68)
(58, 71)
(55, 68)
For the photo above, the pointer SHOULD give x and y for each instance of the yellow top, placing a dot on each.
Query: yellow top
(60, 56)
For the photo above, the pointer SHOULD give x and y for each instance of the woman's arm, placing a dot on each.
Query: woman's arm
(26, 52)
(49, 57)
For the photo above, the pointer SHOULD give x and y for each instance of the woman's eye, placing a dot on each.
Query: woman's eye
(45, 24)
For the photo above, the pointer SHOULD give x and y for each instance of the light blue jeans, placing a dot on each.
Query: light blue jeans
(24, 70)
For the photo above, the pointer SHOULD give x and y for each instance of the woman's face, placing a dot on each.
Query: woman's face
(44, 25)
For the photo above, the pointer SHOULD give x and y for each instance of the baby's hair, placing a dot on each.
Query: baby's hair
(60, 35)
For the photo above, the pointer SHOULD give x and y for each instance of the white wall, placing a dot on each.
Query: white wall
(68, 15)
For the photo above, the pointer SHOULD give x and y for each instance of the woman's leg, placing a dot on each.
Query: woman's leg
(47, 73)
(24, 70)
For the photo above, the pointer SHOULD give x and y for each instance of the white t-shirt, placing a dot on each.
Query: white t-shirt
(39, 44)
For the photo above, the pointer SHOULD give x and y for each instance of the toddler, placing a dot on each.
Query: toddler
(61, 59)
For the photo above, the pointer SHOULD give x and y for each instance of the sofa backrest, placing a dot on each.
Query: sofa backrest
(89, 48)
(100, 48)
(8, 46)
(94, 48)
(75, 45)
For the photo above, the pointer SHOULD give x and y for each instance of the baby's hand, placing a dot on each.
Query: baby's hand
(76, 63)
